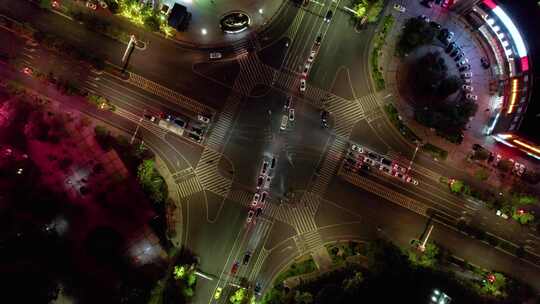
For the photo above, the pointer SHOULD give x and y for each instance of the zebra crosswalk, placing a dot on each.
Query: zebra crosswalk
(188, 187)
(166, 93)
(263, 254)
(300, 215)
(310, 241)
(347, 114)
(252, 72)
(241, 196)
(224, 123)
(329, 166)
(208, 173)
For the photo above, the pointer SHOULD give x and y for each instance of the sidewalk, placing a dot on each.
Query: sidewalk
(475, 132)
(206, 15)
(175, 228)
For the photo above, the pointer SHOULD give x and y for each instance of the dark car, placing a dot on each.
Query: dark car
(451, 46)
(195, 137)
(259, 181)
(328, 16)
(464, 68)
(484, 62)
(318, 40)
(197, 130)
(257, 288)
(273, 163)
(386, 161)
(247, 256)
(180, 122)
(458, 57)
(427, 3)
(435, 25)
(258, 212)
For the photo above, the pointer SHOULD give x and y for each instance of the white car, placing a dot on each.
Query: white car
(312, 56)
(267, 182)
(284, 122)
(306, 70)
(399, 8)
(501, 214)
(250, 216)
(291, 114)
(467, 88)
(471, 97)
(466, 75)
(256, 198)
(203, 118)
(302, 85)
(357, 148)
(215, 55)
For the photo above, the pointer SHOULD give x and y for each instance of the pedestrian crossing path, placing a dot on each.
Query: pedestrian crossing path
(241, 196)
(188, 187)
(295, 25)
(182, 175)
(166, 93)
(309, 241)
(252, 72)
(329, 166)
(386, 193)
(301, 214)
(263, 254)
(208, 173)
(347, 113)
(224, 123)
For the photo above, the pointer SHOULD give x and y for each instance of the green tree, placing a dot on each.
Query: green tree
(152, 22)
(303, 297)
(428, 258)
(496, 286)
(481, 174)
(239, 296)
(456, 186)
(521, 216)
(45, 4)
(351, 285)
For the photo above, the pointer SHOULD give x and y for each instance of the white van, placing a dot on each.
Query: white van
(284, 121)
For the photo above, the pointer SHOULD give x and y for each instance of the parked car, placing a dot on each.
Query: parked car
(264, 168)
(464, 68)
(463, 62)
(435, 25)
(466, 75)
(471, 97)
(255, 200)
(291, 114)
(249, 218)
(312, 56)
(203, 118)
(273, 162)
(260, 181)
(215, 55)
(467, 88)
(318, 40)
(284, 122)
(484, 62)
(247, 256)
(501, 214)
(195, 137)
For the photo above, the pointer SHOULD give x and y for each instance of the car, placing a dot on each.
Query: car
(255, 200)
(258, 212)
(449, 36)
(291, 114)
(471, 97)
(399, 8)
(234, 268)
(318, 40)
(501, 214)
(385, 169)
(28, 71)
(257, 288)
(249, 218)
(150, 117)
(459, 56)
(484, 62)
(247, 256)
(521, 169)
(435, 25)
(198, 130)
(357, 148)
(324, 115)
(427, 3)
(386, 161)
(450, 47)
(302, 85)
(217, 294)
(273, 162)
(264, 168)
(264, 196)
(91, 5)
(464, 68)
(284, 121)
(260, 181)
(215, 55)
(195, 137)
(466, 75)
(463, 62)
(267, 182)
(467, 88)
(516, 167)
(411, 180)
(423, 18)
(306, 69)
(455, 52)
(182, 123)
(288, 103)
(203, 118)
(328, 16)
(467, 81)
(497, 159)
(312, 56)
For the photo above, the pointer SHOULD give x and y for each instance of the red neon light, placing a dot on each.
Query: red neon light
(524, 64)
(490, 4)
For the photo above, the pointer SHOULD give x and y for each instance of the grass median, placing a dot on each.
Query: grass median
(378, 43)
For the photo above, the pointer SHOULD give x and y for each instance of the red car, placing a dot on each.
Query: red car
(234, 268)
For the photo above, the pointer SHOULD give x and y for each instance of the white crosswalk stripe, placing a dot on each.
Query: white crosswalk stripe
(188, 187)
(182, 175)
(252, 72)
(208, 173)
(218, 132)
(311, 240)
(329, 166)
(347, 114)
(241, 196)
(263, 254)
(164, 92)
(368, 103)
(301, 214)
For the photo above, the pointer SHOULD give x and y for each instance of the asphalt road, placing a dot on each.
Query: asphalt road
(308, 155)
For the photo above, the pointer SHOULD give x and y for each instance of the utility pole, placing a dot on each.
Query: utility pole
(412, 159)
(422, 246)
(127, 53)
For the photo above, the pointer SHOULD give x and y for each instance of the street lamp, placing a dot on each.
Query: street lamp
(261, 11)
(127, 53)
(203, 31)
(414, 155)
